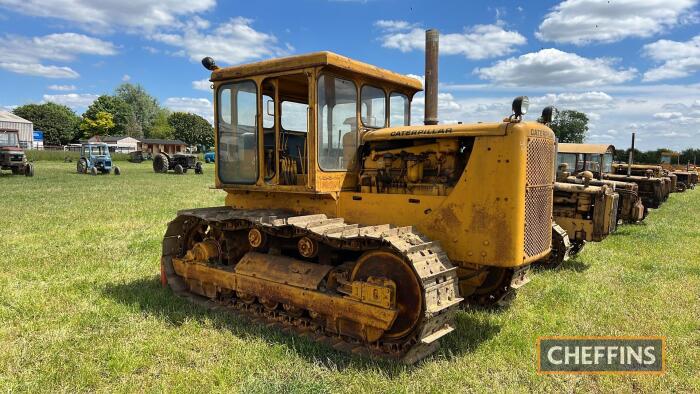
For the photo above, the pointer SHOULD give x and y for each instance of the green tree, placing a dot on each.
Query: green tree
(58, 122)
(570, 126)
(120, 110)
(192, 129)
(133, 127)
(161, 128)
(101, 125)
(144, 106)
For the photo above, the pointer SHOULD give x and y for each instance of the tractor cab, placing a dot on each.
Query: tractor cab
(293, 124)
(596, 158)
(94, 158)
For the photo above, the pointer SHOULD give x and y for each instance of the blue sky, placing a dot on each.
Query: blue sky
(630, 65)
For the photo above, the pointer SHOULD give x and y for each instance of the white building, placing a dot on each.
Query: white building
(12, 122)
(117, 143)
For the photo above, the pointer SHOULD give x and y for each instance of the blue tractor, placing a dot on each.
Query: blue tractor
(209, 157)
(95, 158)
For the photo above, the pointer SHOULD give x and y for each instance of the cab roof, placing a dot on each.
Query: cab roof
(314, 59)
(586, 148)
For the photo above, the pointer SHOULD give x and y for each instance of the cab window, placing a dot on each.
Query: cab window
(238, 140)
(569, 159)
(398, 107)
(294, 116)
(373, 106)
(337, 122)
(607, 163)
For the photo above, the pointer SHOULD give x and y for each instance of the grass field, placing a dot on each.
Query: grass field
(81, 307)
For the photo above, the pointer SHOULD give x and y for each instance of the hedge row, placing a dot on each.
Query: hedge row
(59, 155)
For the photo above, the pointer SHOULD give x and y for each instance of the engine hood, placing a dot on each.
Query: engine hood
(10, 149)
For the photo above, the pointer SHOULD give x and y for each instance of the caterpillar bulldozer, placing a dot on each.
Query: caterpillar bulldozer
(649, 171)
(344, 223)
(687, 173)
(598, 159)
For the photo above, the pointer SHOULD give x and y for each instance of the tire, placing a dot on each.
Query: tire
(179, 169)
(198, 168)
(161, 163)
(93, 171)
(29, 170)
(117, 171)
(15, 170)
(81, 167)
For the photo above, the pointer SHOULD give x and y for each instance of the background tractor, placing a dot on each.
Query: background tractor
(95, 159)
(573, 159)
(12, 156)
(344, 220)
(179, 162)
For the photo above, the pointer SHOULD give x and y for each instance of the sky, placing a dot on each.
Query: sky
(630, 65)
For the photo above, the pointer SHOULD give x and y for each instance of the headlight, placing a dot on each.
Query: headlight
(520, 105)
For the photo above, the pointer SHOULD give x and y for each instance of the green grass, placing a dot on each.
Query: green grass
(81, 307)
(59, 155)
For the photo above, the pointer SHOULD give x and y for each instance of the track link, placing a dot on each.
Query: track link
(438, 278)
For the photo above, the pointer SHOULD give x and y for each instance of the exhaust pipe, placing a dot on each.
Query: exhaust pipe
(432, 39)
(630, 160)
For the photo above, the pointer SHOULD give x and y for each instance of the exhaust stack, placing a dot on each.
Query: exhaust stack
(630, 161)
(432, 39)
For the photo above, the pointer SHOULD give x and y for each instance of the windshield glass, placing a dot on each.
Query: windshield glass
(607, 163)
(373, 106)
(238, 133)
(98, 150)
(398, 105)
(8, 139)
(337, 122)
(568, 158)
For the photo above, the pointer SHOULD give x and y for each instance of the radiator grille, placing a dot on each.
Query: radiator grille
(540, 162)
(538, 196)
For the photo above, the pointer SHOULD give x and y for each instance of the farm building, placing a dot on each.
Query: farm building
(117, 143)
(154, 146)
(12, 122)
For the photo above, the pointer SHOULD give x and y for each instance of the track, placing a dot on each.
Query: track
(436, 275)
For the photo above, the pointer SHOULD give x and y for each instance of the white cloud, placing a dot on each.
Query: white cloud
(232, 42)
(39, 70)
(62, 88)
(476, 42)
(72, 100)
(199, 106)
(577, 101)
(394, 25)
(102, 15)
(202, 84)
(24, 55)
(667, 115)
(680, 59)
(151, 50)
(126, 78)
(552, 67)
(63, 47)
(586, 21)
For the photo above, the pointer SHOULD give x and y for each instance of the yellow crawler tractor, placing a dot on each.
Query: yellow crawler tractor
(344, 221)
(598, 159)
(653, 186)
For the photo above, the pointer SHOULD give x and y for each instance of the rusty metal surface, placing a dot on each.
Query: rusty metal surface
(315, 59)
(600, 149)
(432, 43)
(437, 277)
(282, 269)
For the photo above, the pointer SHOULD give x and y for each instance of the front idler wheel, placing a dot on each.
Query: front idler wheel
(384, 264)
